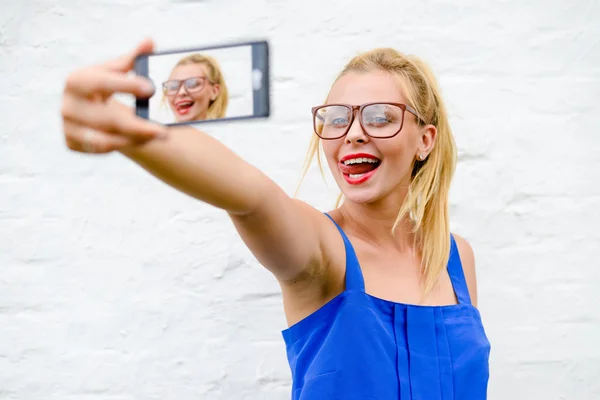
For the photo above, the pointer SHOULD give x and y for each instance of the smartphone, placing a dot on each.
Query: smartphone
(206, 84)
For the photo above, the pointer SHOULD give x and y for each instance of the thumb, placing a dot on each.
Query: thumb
(125, 62)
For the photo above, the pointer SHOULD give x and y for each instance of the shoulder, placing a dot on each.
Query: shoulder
(467, 259)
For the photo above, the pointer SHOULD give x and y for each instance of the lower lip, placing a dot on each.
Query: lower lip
(362, 179)
(184, 111)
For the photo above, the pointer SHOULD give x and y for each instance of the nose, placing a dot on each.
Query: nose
(356, 133)
(181, 90)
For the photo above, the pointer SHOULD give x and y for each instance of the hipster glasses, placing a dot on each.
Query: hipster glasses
(191, 85)
(378, 120)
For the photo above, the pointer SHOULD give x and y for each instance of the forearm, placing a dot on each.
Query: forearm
(202, 167)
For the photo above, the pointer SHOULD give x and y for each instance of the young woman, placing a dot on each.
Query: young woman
(379, 296)
(196, 89)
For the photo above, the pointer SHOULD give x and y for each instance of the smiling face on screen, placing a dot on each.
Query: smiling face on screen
(190, 92)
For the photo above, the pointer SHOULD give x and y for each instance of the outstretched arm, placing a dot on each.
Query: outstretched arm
(284, 234)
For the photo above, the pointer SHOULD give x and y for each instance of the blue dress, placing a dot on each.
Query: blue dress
(358, 346)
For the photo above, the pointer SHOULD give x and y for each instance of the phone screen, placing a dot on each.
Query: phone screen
(206, 84)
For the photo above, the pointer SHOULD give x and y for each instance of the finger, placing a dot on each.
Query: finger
(125, 62)
(109, 117)
(85, 140)
(95, 81)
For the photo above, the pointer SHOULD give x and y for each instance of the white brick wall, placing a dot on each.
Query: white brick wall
(115, 286)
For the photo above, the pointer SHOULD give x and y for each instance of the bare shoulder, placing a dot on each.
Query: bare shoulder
(467, 258)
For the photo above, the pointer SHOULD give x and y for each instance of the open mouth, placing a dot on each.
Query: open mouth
(358, 170)
(183, 107)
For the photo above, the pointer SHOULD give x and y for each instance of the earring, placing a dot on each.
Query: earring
(422, 156)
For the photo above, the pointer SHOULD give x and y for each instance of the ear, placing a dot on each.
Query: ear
(216, 90)
(426, 142)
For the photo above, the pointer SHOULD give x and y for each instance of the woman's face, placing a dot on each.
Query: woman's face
(374, 170)
(190, 102)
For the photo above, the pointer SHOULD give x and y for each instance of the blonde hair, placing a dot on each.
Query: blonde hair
(218, 107)
(426, 202)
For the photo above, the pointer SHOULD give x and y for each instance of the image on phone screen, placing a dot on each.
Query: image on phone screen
(206, 84)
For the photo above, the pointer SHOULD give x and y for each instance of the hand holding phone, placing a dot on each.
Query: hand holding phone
(222, 82)
(93, 121)
(171, 88)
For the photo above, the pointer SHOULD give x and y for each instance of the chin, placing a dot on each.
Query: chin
(361, 196)
(187, 118)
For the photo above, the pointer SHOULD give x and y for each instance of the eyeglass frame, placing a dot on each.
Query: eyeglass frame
(181, 82)
(360, 108)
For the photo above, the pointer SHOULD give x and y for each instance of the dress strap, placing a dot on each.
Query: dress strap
(354, 277)
(457, 275)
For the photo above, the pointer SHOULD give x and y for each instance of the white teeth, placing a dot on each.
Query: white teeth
(360, 160)
(355, 176)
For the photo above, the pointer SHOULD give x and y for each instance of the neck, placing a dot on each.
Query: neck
(374, 222)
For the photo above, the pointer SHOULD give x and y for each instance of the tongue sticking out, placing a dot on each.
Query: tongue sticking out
(185, 107)
(359, 168)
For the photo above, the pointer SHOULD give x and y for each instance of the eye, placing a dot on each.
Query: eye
(170, 86)
(192, 83)
(339, 121)
(378, 119)
(381, 119)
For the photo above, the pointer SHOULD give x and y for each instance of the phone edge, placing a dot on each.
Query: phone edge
(262, 96)
(142, 105)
